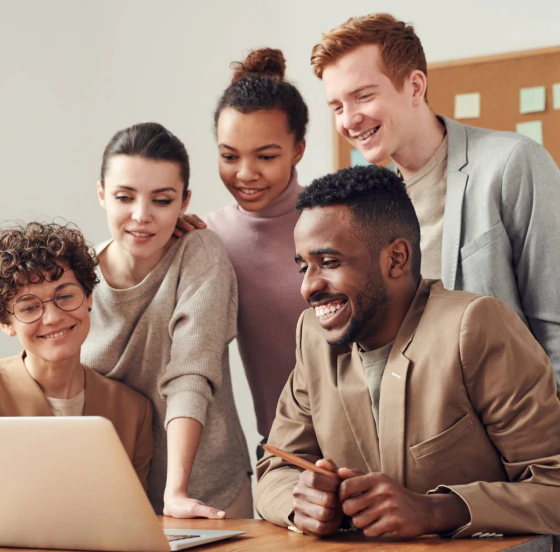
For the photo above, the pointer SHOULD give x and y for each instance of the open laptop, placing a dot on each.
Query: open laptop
(67, 483)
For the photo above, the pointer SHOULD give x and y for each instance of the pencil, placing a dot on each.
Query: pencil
(297, 461)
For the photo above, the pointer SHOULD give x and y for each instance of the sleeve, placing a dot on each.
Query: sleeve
(293, 432)
(202, 325)
(510, 384)
(530, 199)
(144, 445)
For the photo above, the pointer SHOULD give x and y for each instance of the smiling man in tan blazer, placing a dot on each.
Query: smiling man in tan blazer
(437, 409)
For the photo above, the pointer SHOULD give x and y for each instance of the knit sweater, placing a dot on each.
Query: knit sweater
(260, 246)
(167, 337)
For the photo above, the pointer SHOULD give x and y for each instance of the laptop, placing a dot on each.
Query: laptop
(67, 483)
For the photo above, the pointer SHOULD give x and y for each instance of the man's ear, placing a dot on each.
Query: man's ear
(399, 258)
(8, 329)
(101, 193)
(419, 85)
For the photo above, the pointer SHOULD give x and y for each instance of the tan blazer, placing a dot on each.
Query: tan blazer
(129, 411)
(468, 404)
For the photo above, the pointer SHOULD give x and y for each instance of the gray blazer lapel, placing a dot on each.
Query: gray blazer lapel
(355, 399)
(456, 183)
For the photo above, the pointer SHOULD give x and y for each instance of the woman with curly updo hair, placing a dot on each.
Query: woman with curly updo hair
(47, 276)
(260, 123)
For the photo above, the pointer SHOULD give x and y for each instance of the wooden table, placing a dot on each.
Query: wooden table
(263, 536)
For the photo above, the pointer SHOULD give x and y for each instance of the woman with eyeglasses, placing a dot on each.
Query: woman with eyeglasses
(47, 275)
(163, 316)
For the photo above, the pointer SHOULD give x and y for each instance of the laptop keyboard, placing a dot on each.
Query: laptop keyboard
(171, 538)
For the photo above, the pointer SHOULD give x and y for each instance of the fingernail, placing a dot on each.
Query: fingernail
(221, 514)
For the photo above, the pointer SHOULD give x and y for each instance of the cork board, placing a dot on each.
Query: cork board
(498, 79)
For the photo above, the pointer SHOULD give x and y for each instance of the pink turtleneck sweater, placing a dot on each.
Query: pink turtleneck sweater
(260, 246)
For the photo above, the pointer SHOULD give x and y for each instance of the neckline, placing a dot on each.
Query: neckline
(283, 204)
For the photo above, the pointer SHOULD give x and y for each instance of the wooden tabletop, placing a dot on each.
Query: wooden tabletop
(264, 536)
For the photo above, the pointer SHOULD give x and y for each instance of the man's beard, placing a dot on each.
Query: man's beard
(371, 302)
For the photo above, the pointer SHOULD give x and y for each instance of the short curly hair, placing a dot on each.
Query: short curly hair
(36, 252)
(378, 201)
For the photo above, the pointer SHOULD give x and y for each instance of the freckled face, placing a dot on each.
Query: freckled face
(342, 281)
(256, 153)
(143, 199)
(58, 335)
(369, 111)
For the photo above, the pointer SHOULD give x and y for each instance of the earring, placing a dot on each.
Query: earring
(89, 309)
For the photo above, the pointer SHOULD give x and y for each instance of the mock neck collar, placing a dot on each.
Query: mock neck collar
(281, 205)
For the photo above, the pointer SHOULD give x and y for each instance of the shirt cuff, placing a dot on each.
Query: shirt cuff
(186, 404)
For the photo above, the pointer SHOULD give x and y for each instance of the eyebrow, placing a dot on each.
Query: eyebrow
(322, 251)
(261, 148)
(354, 92)
(157, 191)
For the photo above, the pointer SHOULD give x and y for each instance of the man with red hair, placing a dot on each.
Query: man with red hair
(486, 200)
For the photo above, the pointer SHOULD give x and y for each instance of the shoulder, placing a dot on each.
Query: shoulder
(220, 218)
(7, 362)
(492, 146)
(115, 391)
(201, 249)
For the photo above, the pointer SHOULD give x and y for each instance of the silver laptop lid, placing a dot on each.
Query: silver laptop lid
(67, 482)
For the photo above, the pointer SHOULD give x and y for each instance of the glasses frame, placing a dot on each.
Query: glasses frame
(53, 300)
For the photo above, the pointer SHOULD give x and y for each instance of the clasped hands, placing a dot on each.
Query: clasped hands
(377, 505)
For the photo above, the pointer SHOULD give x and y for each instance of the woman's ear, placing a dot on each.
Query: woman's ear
(186, 202)
(101, 193)
(298, 152)
(8, 329)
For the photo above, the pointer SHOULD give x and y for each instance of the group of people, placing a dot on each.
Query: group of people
(425, 368)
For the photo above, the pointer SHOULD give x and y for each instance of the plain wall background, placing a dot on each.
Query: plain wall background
(74, 72)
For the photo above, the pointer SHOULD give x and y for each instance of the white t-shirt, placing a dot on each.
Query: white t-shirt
(68, 407)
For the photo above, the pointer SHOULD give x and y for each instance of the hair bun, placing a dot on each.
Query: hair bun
(265, 60)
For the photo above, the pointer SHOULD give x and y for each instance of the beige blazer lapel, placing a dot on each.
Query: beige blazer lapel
(28, 398)
(355, 399)
(392, 400)
(95, 403)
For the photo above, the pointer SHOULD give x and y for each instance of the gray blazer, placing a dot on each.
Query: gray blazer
(501, 227)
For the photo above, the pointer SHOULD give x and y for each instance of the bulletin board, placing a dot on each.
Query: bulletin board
(498, 79)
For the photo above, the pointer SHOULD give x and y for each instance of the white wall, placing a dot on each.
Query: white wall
(73, 72)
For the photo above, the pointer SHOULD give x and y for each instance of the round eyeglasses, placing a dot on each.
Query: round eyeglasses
(67, 297)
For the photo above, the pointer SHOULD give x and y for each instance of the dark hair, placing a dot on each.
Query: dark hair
(378, 201)
(150, 141)
(36, 253)
(258, 84)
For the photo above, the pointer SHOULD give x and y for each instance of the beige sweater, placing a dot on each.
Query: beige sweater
(167, 337)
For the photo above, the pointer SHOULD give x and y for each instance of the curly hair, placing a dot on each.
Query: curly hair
(36, 252)
(378, 201)
(258, 84)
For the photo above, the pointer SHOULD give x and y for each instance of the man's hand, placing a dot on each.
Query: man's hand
(317, 510)
(381, 507)
(181, 506)
(187, 223)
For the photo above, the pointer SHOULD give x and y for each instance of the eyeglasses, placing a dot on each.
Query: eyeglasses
(67, 297)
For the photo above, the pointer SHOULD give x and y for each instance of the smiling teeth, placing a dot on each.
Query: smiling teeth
(57, 334)
(328, 309)
(368, 133)
(140, 235)
(249, 191)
